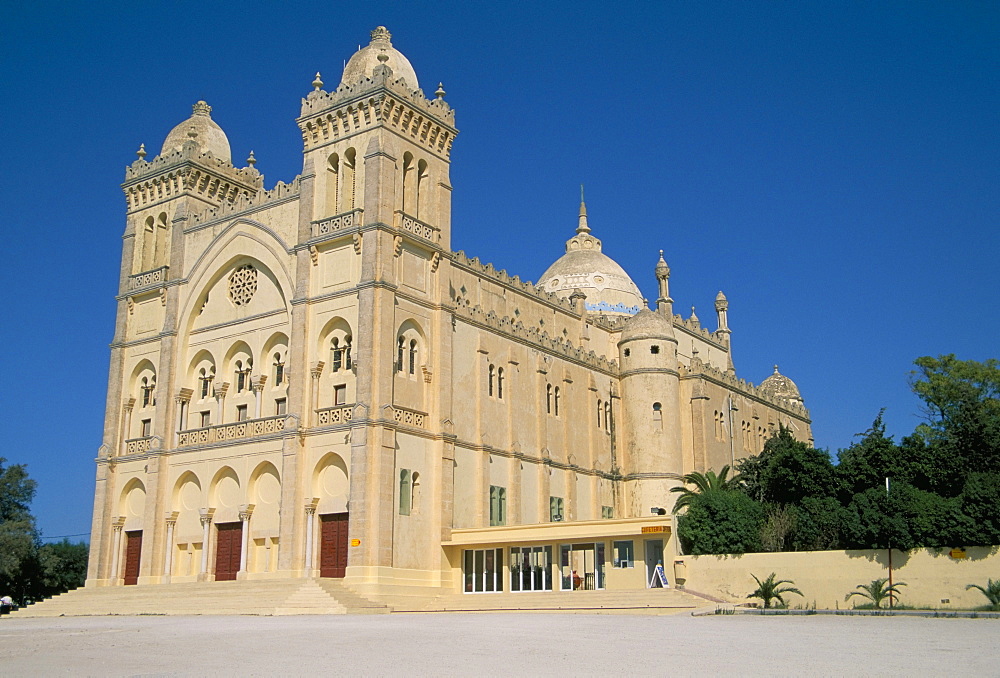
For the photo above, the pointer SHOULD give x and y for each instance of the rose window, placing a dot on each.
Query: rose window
(243, 284)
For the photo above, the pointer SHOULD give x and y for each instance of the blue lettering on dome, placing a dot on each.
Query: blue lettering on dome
(617, 308)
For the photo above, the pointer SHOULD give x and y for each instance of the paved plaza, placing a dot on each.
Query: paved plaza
(497, 644)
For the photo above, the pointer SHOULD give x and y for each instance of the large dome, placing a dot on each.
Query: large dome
(203, 131)
(584, 267)
(365, 60)
(780, 386)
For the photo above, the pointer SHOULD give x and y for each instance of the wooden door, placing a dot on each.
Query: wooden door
(333, 545)
(227, 550)
(133, 549)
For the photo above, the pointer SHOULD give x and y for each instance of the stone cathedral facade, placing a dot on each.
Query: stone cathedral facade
(308, 381)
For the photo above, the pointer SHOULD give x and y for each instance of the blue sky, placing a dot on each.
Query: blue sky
(832, 166)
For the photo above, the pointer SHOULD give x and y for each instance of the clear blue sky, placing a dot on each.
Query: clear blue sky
(833, 167)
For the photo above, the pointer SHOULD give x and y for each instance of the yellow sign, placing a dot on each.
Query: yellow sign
(654, 528)
(355, 542)
(958, 554)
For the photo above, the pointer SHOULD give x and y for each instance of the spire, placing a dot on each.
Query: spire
(722, 312)
(664, 304)
(582, 226)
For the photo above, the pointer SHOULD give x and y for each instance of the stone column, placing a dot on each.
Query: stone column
(220, 399)
(315, 371)
(246, 510)
(116, 549)
(183, 403)
(168, 551)
(308, 567)
(258, 392)
(206, 525)
(126, 425)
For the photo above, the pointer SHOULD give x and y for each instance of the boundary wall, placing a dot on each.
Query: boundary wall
(934, 579)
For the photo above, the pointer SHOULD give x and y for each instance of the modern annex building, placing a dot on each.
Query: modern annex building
(307, 381)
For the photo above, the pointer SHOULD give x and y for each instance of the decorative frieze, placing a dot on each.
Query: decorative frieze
(408, 417)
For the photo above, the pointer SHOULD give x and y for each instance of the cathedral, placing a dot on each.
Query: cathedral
(307, 381)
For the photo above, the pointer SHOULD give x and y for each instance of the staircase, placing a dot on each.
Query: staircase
(261, 597)
(644, 601)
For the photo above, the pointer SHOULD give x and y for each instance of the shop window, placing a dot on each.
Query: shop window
(624, 554)
(498, 505)
(482, 570)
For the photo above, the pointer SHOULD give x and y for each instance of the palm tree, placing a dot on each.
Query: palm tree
(704, 483)
(877, 591)
(769, 590)
(991, 591)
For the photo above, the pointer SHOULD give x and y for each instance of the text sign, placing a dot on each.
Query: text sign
(654, 528)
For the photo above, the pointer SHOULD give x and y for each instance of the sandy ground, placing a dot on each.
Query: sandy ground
(498, 644)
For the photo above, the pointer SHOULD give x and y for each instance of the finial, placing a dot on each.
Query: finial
(582, 226)
(694, 316)
(201, 108)
(440, 91)
(662, 270)
(776, 369)
(381, 33)
(318, 82)
(645, 302)
(252, 161)
(142, 151)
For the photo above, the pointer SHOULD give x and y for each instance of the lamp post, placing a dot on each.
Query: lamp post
(889, 547)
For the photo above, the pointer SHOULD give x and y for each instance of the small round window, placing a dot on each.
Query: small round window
(243, 284)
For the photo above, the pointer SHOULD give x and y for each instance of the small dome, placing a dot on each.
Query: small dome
(366, 59)
(201, 129)
(647, 324)
(780, 386)
(584, 267)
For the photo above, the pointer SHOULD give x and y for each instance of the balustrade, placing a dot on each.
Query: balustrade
(416, 227)
(235, 431)
(146, 278)
(336, 223)
(338, 414)
(138, 445)
(409, 417)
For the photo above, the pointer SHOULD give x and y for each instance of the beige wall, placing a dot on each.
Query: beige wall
(933, 578)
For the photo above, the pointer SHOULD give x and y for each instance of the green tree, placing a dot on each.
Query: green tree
(868, 462)
(991, 591)
(876, 592)
(61, 567)
(18, 534)
(980, 504)
(787, 471)
(721, 522)
(771, 589)
(704, 483)
(821, 524)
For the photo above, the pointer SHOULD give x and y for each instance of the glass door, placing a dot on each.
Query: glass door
(531, 568)
(581, 567)
(482, 570)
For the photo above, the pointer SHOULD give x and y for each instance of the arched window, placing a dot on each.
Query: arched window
(489, 387)
(332, 184)
(421, 198)
(405, 495)
(147, 387)
(607, 416)
(338, 358)
(600, 407)
(349, 172)
(548, 398)
(399, 353)
(500, 383)
(205, 377)
(556, 401)
(657, 412)
(347, 352)
(279, 370)
(414, 492)
(413, 356)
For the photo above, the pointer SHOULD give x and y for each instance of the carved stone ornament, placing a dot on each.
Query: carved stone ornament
(397, 244)
(435, 262)
(357, 243)
(131, 305)
(314, 255)
(243, 284)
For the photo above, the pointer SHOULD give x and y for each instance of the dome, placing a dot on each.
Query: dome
(608, 287)
(647, 324)
(780, 386)
(206, 133)
(365, 60)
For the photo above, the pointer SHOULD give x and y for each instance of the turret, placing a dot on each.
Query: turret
(664, 304)
(650, 383)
